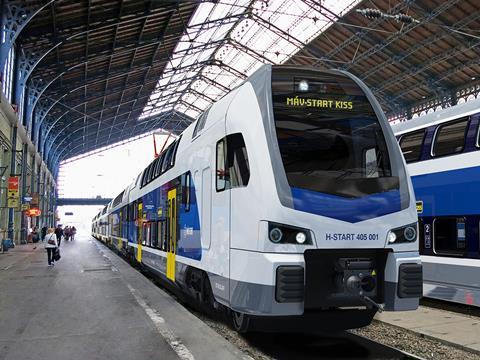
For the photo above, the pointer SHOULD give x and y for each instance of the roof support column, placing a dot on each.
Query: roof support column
(23, 224)
(13, 163)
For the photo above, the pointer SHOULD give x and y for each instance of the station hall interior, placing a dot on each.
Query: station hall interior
(239, 179)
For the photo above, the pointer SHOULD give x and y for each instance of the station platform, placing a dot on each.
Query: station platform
(461, 331)
(93, 305)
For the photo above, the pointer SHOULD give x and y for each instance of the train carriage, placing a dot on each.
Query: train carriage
(442, 153)
(287, 200)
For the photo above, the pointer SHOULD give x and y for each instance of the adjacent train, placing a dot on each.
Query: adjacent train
(442, 150)
(287, 202)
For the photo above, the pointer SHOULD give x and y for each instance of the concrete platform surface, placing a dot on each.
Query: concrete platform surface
(452, 328)
(93, 305)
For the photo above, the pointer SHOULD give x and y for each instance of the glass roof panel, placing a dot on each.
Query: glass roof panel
(228, 40)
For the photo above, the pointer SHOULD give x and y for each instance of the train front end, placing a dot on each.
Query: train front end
(343, 239)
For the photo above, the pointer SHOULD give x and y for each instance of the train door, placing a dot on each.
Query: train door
(172, 233)
(139, 230)
(120, 230)
(220, 220)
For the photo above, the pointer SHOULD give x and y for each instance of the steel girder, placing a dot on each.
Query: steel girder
(57, 145)
(164, 118)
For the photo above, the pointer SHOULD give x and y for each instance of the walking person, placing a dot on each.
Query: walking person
(51, 245)
(73, 231)
(44, 232)
(59, 234)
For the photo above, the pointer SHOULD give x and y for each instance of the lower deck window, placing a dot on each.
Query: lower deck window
(449, 236)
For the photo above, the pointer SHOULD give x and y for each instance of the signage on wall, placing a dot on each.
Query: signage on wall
(33, 212)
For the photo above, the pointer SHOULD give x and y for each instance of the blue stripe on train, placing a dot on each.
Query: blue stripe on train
(454, 192)
(347, 209)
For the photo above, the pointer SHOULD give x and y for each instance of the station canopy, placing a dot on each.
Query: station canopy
(111, 71)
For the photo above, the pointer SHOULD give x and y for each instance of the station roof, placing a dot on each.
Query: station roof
(106, 71)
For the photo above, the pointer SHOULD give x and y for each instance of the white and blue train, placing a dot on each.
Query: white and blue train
(287, 201)
(442, 150)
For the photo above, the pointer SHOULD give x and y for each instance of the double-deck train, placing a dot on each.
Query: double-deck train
(287, 201)
(442, 150)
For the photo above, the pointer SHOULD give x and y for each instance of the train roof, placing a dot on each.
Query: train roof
(437, 117)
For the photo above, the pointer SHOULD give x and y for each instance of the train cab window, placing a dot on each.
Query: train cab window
(449, 237)
(221, 171)
(411, 145)
(329, 137)
(233, 169)
(450, 138)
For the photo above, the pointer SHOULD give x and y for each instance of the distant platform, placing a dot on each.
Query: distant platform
(92, 305)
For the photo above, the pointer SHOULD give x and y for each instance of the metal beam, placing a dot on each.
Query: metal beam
(164, 118)
(82, 201)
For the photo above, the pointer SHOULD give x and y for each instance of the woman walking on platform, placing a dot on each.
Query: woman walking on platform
(51, 244)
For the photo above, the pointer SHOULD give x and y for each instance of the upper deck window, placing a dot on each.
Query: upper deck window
(200, 123)
(411, 145)
(329, 137)
(450, 138)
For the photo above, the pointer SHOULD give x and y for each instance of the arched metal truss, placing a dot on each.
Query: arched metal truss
(90, 74)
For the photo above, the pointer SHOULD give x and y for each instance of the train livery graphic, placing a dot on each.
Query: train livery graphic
(442, 150)
(288, 200)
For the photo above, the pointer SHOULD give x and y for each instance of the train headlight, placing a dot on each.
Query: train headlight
(410, 233)
(301, 237)
(407, 233)
(276, 235)
(391, 237)
(303, 86)
(286, 234)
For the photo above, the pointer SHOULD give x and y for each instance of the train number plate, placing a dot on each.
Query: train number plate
(351, 237)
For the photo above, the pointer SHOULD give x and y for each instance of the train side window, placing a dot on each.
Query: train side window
(450, 138)
(158, 167)
(174, 152)
(144, 178)
(168, 158)
(411, 145)
(186, 185)
(151, 170)
(449, 236)
(135, 210)
(221, 170)
(200, 123)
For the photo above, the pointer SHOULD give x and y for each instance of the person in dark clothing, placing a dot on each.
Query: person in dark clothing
(44, 232)
(35, 236)
(59, 233)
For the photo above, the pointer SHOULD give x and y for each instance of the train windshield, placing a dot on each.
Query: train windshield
(328, 134)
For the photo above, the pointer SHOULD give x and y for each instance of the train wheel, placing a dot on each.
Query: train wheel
(240, 321)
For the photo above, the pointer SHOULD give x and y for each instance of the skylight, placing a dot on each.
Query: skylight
(227, 41)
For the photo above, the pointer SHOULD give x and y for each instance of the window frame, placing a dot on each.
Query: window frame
(167, 159)
(450, 253)
(200, 125)
(447, 123)
(223, 142)
(422, 144)
(188, 186)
